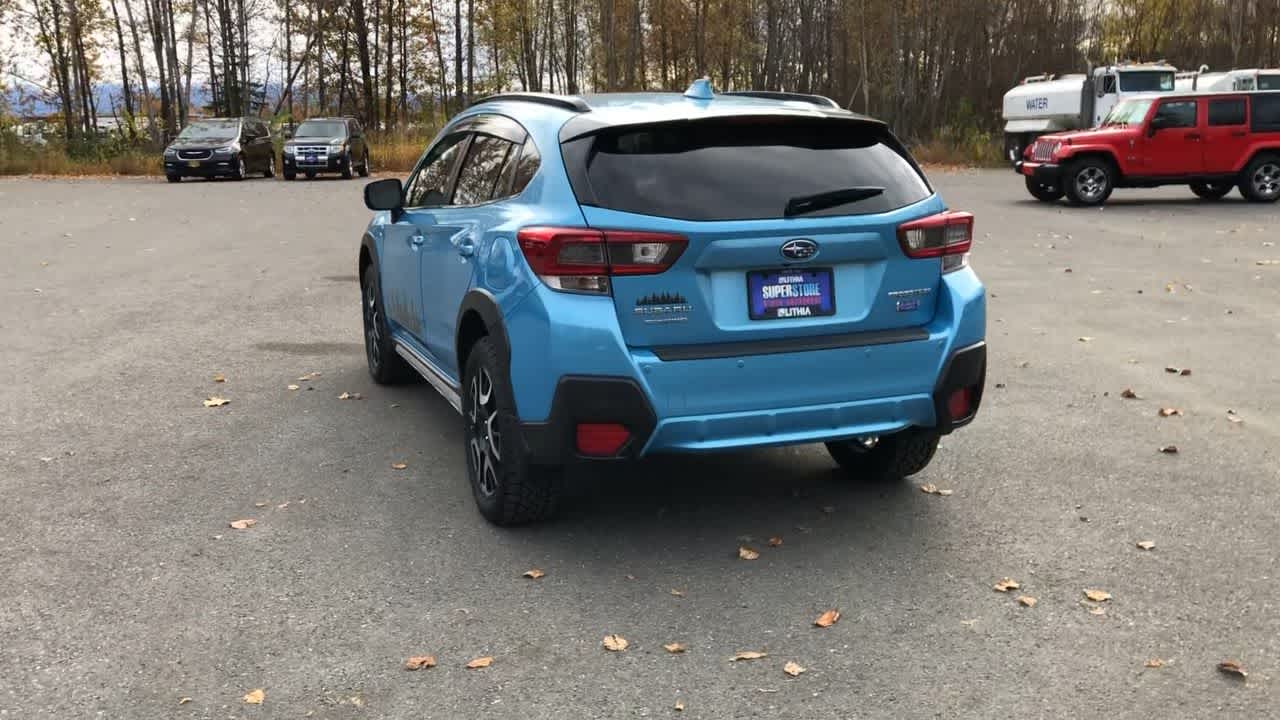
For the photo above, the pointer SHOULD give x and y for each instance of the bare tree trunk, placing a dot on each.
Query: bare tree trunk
(125, 88)
(457, 53)
(361, 30)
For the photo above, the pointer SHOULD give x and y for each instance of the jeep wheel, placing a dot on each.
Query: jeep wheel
(1042, 192)
(891, 457)
(270, 172)
(1261, 180)
(507, 488)
(1089, 181)
(386, 367)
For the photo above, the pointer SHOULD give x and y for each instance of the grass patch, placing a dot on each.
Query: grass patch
(398, 153)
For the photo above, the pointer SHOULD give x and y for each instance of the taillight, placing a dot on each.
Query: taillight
(583, 259)
(947, 235)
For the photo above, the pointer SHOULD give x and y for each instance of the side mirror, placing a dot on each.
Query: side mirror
(1158, 122)
(384, 195)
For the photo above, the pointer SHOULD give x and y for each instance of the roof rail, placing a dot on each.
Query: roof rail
(821, 100)
(567, 102)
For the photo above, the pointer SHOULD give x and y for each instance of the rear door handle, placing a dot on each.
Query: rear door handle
(467, 246)
(1238, 133)
(417, 239)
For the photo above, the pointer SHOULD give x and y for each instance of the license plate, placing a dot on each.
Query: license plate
(790, 293)
(193, 163)
(310, 159)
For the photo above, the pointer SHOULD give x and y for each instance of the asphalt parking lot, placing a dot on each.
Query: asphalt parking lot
(126, 593)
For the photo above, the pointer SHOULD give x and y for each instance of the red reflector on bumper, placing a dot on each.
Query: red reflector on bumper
(601, 439)
(958, 404)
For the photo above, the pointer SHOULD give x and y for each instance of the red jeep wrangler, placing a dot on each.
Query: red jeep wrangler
(1212, 142)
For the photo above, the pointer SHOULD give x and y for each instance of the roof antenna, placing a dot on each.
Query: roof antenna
(700, 89)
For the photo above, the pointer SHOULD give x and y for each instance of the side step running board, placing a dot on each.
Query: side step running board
(431, 374)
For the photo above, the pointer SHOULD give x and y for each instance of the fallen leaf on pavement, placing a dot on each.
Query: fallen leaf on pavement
(350, 396)
(1268, 262)
(417, 662)
(1168, 412)
(293, 387)
(748, 655)
(1097, 595)
(259, 504)
(219, 378)
(679, 707)
(1026, 601)
(480, 662)
(1184, 372)
(1145, 544)
(828, 618)
(309, 376)
(282, 506)
(399, 465)
(1084, 338)
(534, 574)
(1153, 663)
(184, 700)
(1233, 667)
(1172, 369)
(1233, 417)
(243, 524)
(747, 553)
(677, 593)
(1005, 585)
(255, 697)
(674, 648)
(1129, 394)
(793, 669)
(215, 401)
(615, 643)
(1169, 449)
(931, 489)
(775, 541)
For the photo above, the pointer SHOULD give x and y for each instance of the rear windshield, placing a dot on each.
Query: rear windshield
(743, 168)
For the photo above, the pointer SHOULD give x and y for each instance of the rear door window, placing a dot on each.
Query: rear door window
(482, 170)
(744, 168)
(1226, 112)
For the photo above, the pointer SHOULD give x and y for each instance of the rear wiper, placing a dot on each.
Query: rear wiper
(813, 203)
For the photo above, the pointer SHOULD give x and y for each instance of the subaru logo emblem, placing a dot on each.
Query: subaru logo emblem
(799, 249)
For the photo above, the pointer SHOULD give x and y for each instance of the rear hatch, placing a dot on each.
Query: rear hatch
(781, 228)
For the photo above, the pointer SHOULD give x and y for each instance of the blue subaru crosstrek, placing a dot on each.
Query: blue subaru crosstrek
(610, 276)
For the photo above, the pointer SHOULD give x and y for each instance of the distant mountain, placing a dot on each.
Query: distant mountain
(30, 100)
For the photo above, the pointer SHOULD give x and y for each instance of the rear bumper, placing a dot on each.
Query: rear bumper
(589, 399)
(719, 401)
(1044, 173)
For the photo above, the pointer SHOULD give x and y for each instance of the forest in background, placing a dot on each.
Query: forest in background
(934, 69)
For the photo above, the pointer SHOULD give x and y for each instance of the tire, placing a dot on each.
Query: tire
(346, 167)
(1260, 181)
(385, 366)
(364, 166)
(1089, 181)
(893, 457)
(508, 489)
(289, 174)
(173, 178)
(242, 170)
(1044, 193)
(1014, 145)
(270, 172)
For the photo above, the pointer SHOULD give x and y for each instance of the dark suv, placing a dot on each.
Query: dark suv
(221, 147)
(327, 145)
